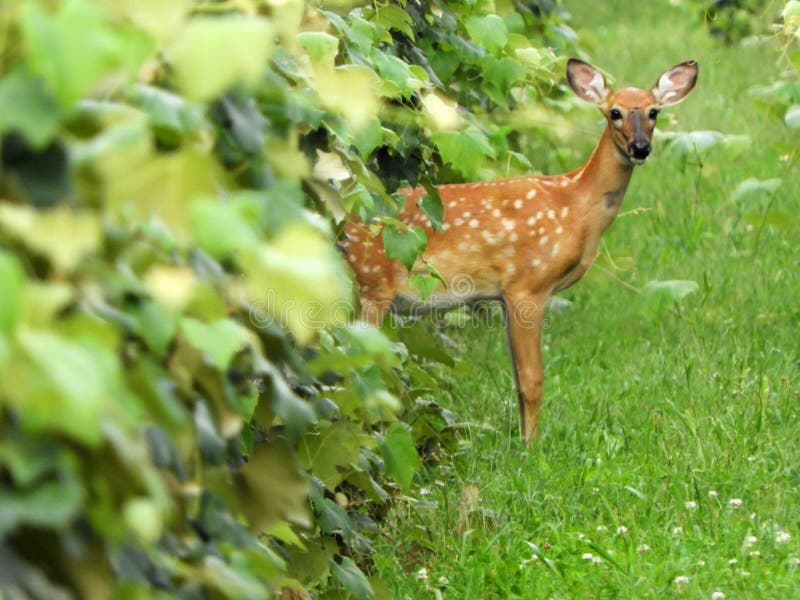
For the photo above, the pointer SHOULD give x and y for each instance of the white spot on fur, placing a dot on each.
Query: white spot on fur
(452, 203)
(531, 221)
(509, 251)
(536, 262)
(445, 226)
(559, 230)
(517, 204)
(538, 215)
(509, 225)
(555, 250)
(551, 214)
(531, 194)
(496, 212)
(544, 239)
(467, 215)
(458, 222)
(513, 237)
(541, 230)
(564, 211)
(463, 246)
(474, 223)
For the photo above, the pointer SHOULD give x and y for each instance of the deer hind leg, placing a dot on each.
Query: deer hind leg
(524, 316)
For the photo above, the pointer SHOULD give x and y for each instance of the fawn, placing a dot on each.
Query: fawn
(520, 239)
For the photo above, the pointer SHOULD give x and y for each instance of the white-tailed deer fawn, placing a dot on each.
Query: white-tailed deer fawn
(520, 239)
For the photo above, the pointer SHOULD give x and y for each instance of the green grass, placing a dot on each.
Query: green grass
(651, 425)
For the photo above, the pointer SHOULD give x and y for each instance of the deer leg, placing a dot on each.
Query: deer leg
(524, 316)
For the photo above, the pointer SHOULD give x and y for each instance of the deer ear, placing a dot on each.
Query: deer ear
(586, 81)
(674, 85)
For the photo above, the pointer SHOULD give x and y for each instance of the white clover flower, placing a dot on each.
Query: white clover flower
(677, 530)
(422, 574)
(602, 528)
(690, 505)
(735, 503)
(681, 580)
(622, 530)
(753, 516)
(744, 573)
(596, 560)
(595, 490)
(443, 580)
(587, 556)
(751, 459)
(750, 540)
(733, 562)
(701, 563)
(643, 548)
(783, 537)
(794, 562)
(717, 595)
(755, 553)
(712, 493)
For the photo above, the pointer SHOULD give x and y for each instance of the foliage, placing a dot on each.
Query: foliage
(732, 20)
(187, 409)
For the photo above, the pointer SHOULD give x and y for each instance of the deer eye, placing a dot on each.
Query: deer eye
(615, 113)
(653, 114)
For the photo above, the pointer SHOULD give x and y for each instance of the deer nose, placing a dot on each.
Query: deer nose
(640, 149)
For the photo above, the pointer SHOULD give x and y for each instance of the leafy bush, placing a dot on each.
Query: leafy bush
(187, 407)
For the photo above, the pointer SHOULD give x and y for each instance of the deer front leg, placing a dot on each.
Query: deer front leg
(524, 316)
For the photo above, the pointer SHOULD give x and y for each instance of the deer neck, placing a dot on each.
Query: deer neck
(601, 183)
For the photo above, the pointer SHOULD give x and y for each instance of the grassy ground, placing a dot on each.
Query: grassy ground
(668, 462)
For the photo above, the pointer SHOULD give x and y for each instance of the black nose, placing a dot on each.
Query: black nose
(640, 149)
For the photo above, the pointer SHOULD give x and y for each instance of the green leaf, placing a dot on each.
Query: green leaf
(392, 16)
(351, 577)
(431, 205)
(400, 455)
(270, 488)
(220, 228)
(660, 296)
(172, 117)
(62, 235)
(792, 117)
(331, 452)
(321, 47)
(694, 142)
(404, 244)
(298, 282)
(211, 54)
(25, 106)
(12, 280)
(76, 48)
(489, 31)
(219, 340)
(424, 284)
(755, 189)
(54, 376)
(465, 150)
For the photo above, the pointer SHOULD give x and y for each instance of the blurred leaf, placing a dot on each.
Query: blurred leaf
(404, 244)
(25, 106)
(270, 488)
(400, 455)
(160, 19)
(331, 452)
(298, 281)
(663, 295)
(54, 377)
(76, 48)
(220, 228)
(219, 340)
(172, 117)
(755, 189)
(465, 150)
(689, 143)
(424, 284)
(12, 280)
(792, 117)
(392, 16)
(211, 54)
(351, 577)
(489, 31)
